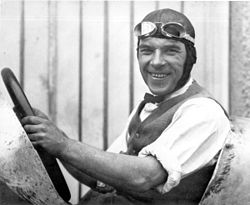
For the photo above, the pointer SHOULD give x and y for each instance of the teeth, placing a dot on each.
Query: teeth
(157, 75)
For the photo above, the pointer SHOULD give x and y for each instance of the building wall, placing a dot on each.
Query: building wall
(240, 59)
(76, 60)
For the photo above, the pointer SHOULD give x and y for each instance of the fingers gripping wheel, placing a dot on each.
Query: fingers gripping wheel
(23, 108)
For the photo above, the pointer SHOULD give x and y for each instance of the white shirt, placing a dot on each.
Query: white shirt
(191, 141)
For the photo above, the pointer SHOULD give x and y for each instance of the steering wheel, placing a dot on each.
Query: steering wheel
(22, 109)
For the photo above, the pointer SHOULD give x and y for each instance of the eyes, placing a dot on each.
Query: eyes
(171, 50)
(145, 51)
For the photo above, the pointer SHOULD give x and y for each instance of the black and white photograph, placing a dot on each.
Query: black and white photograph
(118, 102)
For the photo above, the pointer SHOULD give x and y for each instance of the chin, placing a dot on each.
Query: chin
(160, 88)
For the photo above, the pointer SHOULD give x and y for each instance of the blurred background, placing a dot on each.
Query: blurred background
(76, 60)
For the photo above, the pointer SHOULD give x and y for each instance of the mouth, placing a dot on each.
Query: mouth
(158, 75)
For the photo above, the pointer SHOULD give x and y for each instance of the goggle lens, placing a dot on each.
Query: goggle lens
(144, 29)
(173, 30)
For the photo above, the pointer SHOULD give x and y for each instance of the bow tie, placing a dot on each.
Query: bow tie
(148, 98)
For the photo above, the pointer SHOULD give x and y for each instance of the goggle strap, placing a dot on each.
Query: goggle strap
(189, 38)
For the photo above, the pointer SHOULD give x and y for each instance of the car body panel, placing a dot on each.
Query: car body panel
(230, 183)
(21, 168)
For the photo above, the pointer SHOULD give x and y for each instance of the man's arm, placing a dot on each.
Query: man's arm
(80, 176)
(124, 172)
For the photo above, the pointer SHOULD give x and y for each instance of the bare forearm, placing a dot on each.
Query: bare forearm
(117, 170)
(79, 175)
(120, 171)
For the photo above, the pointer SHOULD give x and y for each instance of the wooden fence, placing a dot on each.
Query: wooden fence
(76, 60)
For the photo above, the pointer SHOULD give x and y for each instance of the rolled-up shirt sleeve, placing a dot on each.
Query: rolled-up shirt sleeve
(196, 134)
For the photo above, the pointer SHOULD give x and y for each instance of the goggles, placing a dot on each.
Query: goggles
(171, 29)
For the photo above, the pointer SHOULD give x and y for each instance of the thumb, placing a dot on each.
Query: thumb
(39, 113)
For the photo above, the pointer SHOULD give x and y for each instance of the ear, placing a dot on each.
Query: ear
(137, 49)
(192, 54)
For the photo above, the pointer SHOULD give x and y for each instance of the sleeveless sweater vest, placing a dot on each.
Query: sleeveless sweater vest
(143, 133)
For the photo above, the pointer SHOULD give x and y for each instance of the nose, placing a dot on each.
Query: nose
(157, 60)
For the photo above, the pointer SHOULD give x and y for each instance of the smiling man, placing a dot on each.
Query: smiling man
(167, 152)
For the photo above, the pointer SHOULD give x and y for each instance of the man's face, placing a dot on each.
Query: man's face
(161, 63)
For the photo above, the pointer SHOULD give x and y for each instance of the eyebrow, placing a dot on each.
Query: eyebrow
(172, 46)
(163, 47)
(144, 46)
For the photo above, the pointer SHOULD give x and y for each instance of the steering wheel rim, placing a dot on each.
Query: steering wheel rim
(23, 107)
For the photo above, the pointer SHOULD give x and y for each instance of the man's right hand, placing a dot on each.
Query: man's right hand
(44, 133)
